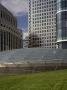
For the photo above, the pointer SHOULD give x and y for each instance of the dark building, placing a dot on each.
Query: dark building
(10, 36)
(62, 23)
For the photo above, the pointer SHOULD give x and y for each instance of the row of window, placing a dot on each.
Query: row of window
(50, 31)
(9, 28)
(35, 24)
(42, 10)
(44, 13)
(49, 35)
(43, 7)
(39, 23)
(43, 2)
(43, 18)
(44, 27)
(42, 21)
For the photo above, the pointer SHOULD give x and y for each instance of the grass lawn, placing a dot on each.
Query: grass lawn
(51, 80)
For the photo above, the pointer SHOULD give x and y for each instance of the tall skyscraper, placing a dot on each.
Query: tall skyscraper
(62, 23)
(42, 21)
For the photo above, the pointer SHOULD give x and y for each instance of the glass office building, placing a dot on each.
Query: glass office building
(62, 23)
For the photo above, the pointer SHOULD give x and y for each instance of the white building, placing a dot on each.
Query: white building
(25, 39)
(42, 21)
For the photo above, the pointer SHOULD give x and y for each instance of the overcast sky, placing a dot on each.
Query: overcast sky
(20, 9)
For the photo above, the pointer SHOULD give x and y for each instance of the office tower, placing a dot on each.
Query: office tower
(42, 21)
(62, 23)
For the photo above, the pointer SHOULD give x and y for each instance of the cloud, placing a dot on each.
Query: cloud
(17, 7)
(24, 29)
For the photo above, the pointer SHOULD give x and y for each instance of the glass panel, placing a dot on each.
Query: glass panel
(62, 5)
(62, 25)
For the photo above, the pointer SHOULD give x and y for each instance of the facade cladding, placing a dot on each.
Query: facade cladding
(10, 36)
(42, 21)
(62, 23)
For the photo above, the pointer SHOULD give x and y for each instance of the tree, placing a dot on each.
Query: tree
(34, 41)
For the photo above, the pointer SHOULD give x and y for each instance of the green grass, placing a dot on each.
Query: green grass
(51, 80)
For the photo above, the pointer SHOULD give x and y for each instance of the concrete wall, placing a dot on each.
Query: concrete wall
(19, 69)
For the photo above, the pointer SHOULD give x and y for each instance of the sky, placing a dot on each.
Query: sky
(19, 8)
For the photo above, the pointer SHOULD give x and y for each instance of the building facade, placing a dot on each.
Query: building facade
(10, 36)
(42, 21)
(25, 39)
(25, 42)
(62, 23)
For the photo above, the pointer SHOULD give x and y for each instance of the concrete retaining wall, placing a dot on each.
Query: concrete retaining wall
(19, 69)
